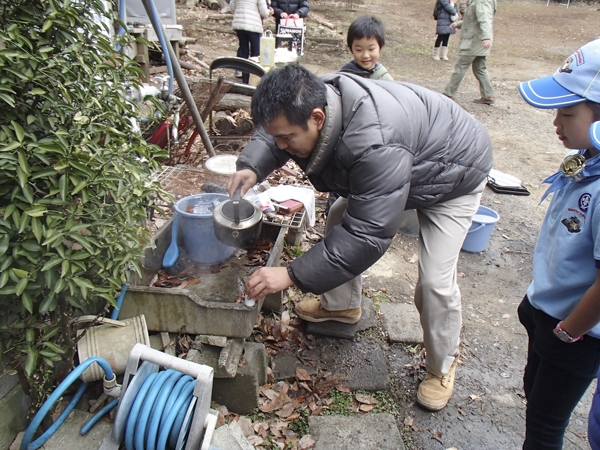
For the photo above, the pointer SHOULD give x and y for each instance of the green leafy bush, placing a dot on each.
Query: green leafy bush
(76, 183)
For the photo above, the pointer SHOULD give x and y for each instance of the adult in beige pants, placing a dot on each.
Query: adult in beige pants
(443, 227)
(384, 147)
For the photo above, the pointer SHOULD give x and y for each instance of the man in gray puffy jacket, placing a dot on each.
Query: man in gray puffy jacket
(384, 147)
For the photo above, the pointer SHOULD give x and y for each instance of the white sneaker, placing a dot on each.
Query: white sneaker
(238, 74)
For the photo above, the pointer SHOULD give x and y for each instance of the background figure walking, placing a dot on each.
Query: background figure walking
(475, 43)
(247, 23)
(282, 9)
(446, 15)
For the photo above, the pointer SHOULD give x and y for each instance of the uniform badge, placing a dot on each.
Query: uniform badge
(573, 165)
(573, 225)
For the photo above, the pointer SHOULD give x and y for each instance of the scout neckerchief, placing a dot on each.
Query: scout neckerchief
(574, 168)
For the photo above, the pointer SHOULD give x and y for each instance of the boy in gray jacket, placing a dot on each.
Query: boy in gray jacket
(384, 147)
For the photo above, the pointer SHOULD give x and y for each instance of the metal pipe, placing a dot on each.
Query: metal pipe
(183, 86)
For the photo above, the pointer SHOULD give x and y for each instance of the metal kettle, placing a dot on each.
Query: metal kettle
(237, 222)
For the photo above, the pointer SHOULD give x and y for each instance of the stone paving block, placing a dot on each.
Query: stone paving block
(344, 330)
(167, 343)
(13, 411)
(240, 394)
(401, 322)
(217, 341)
(230, 355)
(224, 360)
(230, 437)
(358, 432)
(68, 437)
(284, 367)
(364, 366)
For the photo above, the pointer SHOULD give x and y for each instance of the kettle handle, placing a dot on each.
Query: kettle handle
(236, 204)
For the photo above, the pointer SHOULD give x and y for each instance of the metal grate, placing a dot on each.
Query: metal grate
(293, 222)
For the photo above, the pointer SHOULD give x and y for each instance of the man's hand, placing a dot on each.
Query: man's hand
(453, 25)
(246, 177)
(267, 280)
(486, 43)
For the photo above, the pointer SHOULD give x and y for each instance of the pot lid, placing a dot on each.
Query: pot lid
(222, 164)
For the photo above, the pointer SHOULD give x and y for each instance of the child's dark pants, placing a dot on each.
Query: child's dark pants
(442, 39)
(249, 46)
(556, 376)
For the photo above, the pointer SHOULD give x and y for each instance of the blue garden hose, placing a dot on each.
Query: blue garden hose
(155, 420)
(115, 312)
(26, 444)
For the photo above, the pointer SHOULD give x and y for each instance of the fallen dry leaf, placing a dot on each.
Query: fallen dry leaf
(344, 389)
(302, 374)
(306, 442)
(408, 421)
(245, 425)
(365, 399)
(366, 408)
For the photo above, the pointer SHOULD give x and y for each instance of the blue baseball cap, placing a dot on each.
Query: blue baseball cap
(575, 81)
(595, 134)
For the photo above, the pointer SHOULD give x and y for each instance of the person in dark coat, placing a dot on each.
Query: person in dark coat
(385, 147)
(446, 15)
(295, 9)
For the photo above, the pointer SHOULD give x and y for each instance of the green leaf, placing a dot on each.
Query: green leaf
(21, 285)
(30, 335)
(49, 304)
(64, 269)
(11, 146)
(4, 241)
(36, 227)
(39, 91)
(20, 273)
(3, 279)
(50, 264)
(8, 99)
(62, 183)
(18, 130)
(82, 282)
(52, 346)
(27, 301)
(47, 24)
(31, 361)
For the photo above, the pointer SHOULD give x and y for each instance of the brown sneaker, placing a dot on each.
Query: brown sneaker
(485, 101)
(434, 392)
(312, 311)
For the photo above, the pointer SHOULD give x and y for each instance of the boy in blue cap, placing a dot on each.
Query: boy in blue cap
(561, 310)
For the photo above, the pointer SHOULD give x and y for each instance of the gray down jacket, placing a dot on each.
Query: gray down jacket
(387, 147)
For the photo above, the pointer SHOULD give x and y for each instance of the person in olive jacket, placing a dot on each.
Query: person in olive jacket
(296, 9)
(476, 36)
(384, 147)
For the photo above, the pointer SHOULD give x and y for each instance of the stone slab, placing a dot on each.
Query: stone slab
(240, 394)
(224, 360)
(13, 411)
(230, 437)
(343, 330)
(284, 367)
(68, 436)
(358, 432)
(401, 322)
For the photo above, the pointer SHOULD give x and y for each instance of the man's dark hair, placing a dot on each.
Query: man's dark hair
(366, 27)
(292, 91)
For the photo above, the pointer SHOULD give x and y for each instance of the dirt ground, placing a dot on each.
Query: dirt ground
(530, 40)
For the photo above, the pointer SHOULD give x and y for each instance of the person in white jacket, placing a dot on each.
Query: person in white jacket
(247, 22)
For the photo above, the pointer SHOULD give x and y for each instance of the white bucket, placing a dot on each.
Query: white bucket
(481, 230)
(112, 343)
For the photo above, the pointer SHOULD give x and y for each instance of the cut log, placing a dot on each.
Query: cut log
(212, 4)
(233, 102)
(223, 124)
(244, 125)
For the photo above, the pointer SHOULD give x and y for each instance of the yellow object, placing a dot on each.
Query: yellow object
(267, 49)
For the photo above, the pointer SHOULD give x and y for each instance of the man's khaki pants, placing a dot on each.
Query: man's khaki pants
(479, 70)
(443, 228)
